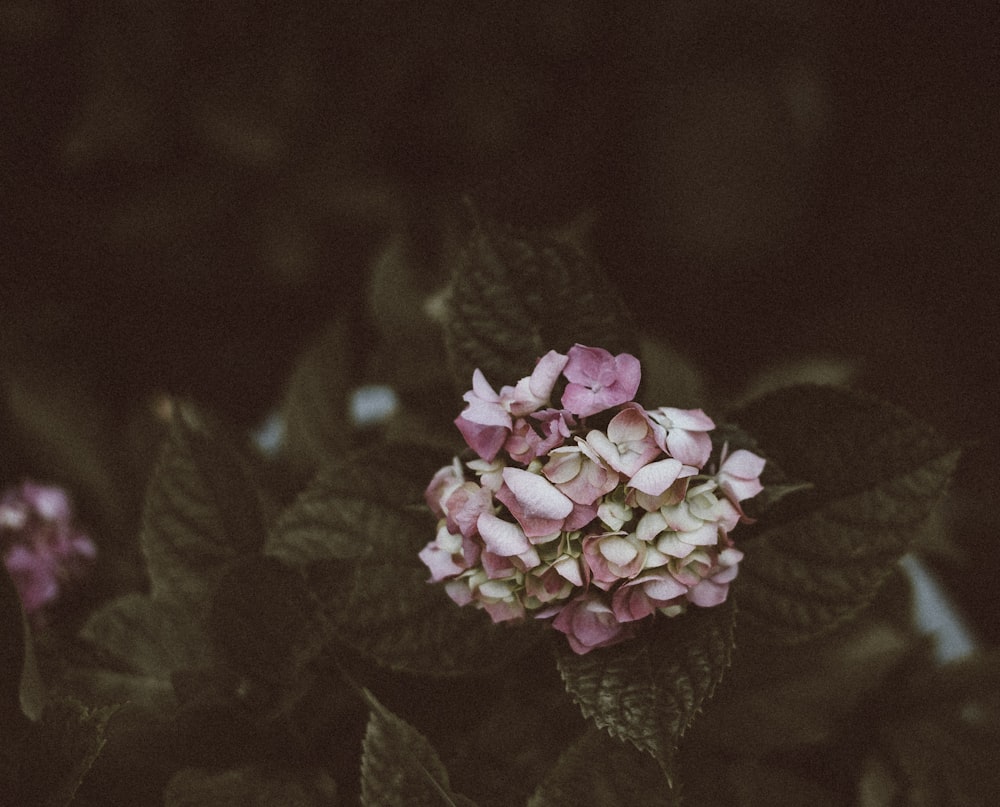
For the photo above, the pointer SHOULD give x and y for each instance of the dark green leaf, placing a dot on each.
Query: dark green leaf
(647, 690)
(365, 494)
(600, 771)
(518, 294)
(154, 637)
(369, 518)
(202, 510)
(315, 410)
(60, 750)
(818, 558)
(399, 767)
(250, 786)
(268, 643)
(938, 738)
(22, 693)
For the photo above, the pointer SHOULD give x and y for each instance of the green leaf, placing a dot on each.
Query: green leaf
(350, 499)
(315, 410)
(202, 509)
(22, 692)
(250, 785)
(601, 771)
(648, 690)
(399, 767)
(153, 636)
(357, 532)
(60, 750)
(271, 643)
(938, 738)
(818, 558)
(518, 294)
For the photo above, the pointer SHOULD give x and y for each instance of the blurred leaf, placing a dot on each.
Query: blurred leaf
(314, 408)
(669, 378)
(153, 636)
(268, 643)
(400, 767)
(22, 691)
(938, 738)
(65, 426)
(776, 700)
(357, 532)
(600, 771)
(60, 750)
(648, 690)
(818, 558)
(250, 786)
(202, 509)
(517, 294)
(761, 783)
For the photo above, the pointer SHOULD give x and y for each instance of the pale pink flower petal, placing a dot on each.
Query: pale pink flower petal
(656, 477)
(739, 476)
(502, 537)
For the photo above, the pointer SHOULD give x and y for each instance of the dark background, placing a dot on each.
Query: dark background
(191, 190)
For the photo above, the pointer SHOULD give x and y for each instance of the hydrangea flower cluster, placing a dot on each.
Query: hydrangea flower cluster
(595, 526)
(42, 548)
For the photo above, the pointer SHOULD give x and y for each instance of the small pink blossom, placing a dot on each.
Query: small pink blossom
(532, 393)
(686, 434)
(630, 442)
(713, 588)
(578, 472)
(589, 623)
(598, 380)
(42, 548)
(613, 557)
(484, 423)
(646, 594)
(739, 475)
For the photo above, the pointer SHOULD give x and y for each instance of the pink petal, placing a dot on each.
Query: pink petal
(546, 373)
(536, 495)
(502, 537)
(654, 478)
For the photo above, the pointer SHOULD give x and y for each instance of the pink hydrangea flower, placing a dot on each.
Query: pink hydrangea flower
(598, 380)
(42, 548)
(595, 529)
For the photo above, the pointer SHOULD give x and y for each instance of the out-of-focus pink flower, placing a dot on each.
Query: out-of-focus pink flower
(589, 623)
(42, 548)
(598, 380)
